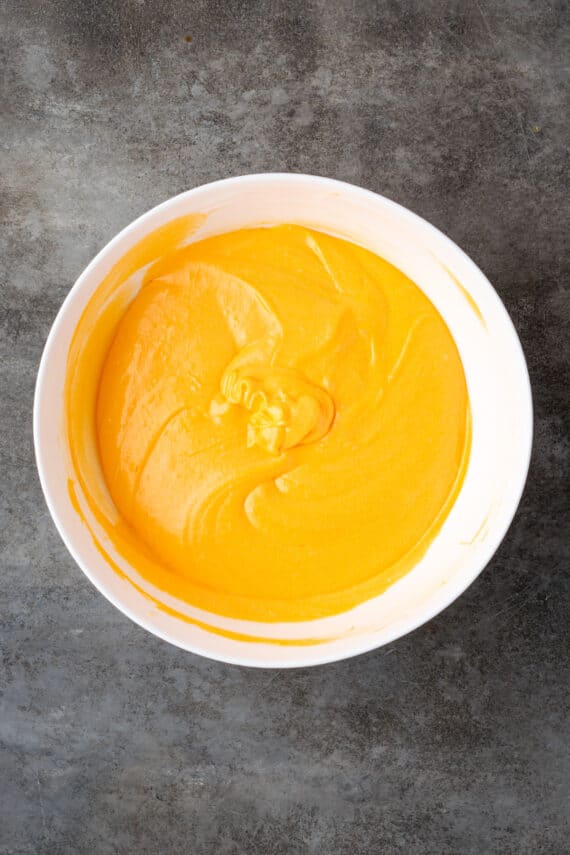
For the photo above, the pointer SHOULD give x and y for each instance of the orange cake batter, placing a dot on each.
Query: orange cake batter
(282, 423)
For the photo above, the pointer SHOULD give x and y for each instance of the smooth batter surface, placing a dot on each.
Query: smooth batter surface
(283, 423)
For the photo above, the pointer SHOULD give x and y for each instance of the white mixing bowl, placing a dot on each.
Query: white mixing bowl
(499, 393)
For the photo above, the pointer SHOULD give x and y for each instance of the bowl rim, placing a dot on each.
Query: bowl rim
(319, 654)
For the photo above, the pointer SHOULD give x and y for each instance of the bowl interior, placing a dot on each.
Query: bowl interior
(501, 422)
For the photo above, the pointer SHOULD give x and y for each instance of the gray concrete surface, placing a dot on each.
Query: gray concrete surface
(452, 740)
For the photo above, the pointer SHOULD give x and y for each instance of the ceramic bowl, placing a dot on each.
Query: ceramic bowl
(499, 393)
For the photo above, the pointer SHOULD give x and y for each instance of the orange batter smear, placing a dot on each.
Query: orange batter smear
(280, 419)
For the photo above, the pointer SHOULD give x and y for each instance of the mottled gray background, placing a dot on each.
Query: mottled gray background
(451, 740)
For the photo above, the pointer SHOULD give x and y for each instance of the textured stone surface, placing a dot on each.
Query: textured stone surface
(451, 740)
